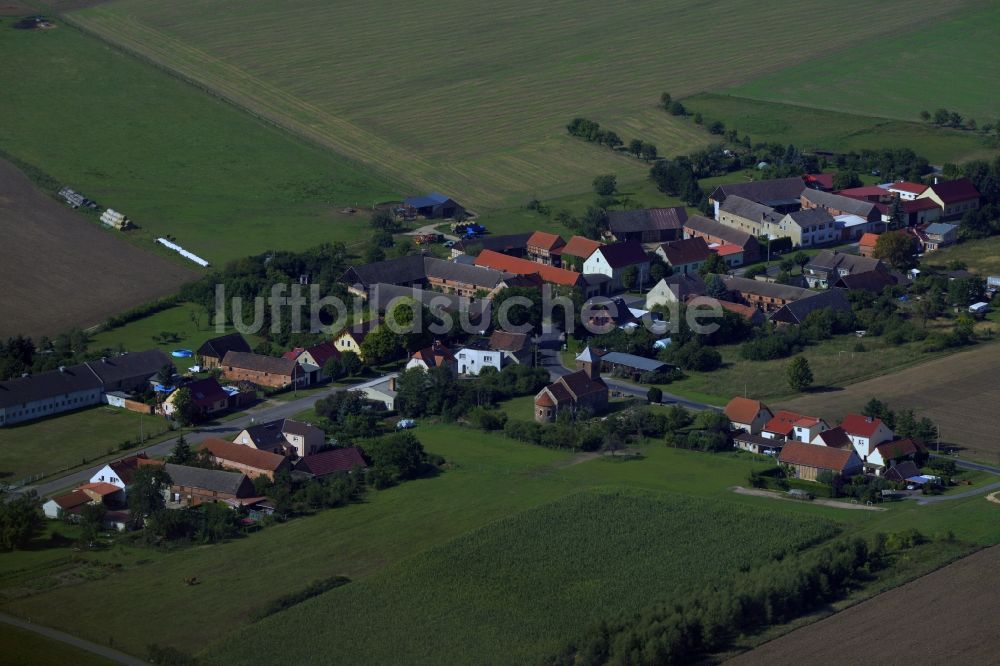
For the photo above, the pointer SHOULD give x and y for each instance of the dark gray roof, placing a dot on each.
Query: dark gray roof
(797, 311)
(810, 217)
(705, 225)
(479, 276)
(632, 361)
(129, 366)
(207, 479)
(260, 363)
(646, 219)
(777, 192)
(47, 385)
(832, 260)
(768, 289)
(496, 243)
(217, 347)
(380, 295)
(403, 270)
(749, 209)
(839, 202)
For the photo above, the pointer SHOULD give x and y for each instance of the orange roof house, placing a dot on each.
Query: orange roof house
(746, 414)
(247, 459)
(508, 264)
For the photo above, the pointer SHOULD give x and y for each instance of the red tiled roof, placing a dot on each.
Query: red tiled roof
(72, 499)
(727, 249)
(743, 410)
(746, 311)
(509, 264)
(866, 193)
(293, 353)
(899, 448)
(820, 457)
(918, 204)
(100, 488)
(502, 340)
(806, 422)
(835, 437)
(952, 191)
(543, 399)
(334, 460)
(860, 426)
(435, 355)
(580, 384)
(868, 240)
(824, 180)
(912, 188)
(125, 468)
(782, 423)
(545, 240)
(244, 455)
(578, 246)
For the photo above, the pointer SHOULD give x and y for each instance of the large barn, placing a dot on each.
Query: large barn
(434, 206)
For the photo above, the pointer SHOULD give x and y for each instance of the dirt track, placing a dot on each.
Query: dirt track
(957, 392)
(59, 270)
(947, 617)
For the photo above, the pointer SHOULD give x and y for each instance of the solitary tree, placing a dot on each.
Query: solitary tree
(800, 376)
(654, 395)
(181, 454)
(91, 523)
(351, 364)
(605, 185)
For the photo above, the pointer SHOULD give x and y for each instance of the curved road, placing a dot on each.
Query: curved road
(69, 639)
(965, 464)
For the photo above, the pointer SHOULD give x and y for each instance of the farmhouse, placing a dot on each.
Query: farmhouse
(887, 454)
(191, 486)
(797, 311)
(211, 353)
(246, 459)
(779, 194)
(756, 443)
(748, 415)
(69, 503)
(312, 359)
(583, 389)
(824, 269)
(545, 248)
(866, 245)
(871, 281)
(613, 260)
(749, 216)
(768, 296)
(793, 426)
(836, 204)
(207, 395)
(283, 436)
(119, 473)
(435, 356)
(716, 233)
(676, 289)
(381, 297)
(433, 206)
(383, 393)
(954, 197)
(352, 337)
(516, 245)
(402, 271)
(834, 437)
(914, 211)
(939, 235)
(333, 461)
(906, 191)
(263, 370)
(807, 461)
(684, 256)
(748, 312)
(649, 225)
(499, 351)
(806, 227)
(577, 250)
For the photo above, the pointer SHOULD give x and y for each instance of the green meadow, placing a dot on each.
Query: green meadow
(478, 108)
(176, 160)
(949, 62)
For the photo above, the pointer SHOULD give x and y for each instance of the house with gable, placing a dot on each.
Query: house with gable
(351, 338)
(808, 462)
(435, 356)
(780, 195)
(748, 415)
(500, 350)
(823, 270)
(545, 248)
(613, 260)
(583, 389)
(211, 352)
(684, 256)
(954, 197)
(207, 395)
(888, 454)
(331, 461)
(647, 225)
(284, 437)
(576, 251)
(676, 289)
(718, 234)
(865, 433)
(791, 426)
(246, 459)
(312, 359)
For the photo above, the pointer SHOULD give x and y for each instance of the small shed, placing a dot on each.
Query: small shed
(434, 206)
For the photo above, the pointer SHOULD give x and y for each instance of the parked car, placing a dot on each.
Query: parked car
(405, 424)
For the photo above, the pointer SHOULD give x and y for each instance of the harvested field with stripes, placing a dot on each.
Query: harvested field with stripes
(473, 99)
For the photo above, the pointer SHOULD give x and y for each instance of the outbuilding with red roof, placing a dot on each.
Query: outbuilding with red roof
(747, 414)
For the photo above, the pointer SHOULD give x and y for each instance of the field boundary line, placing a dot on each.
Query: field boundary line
(70, 639)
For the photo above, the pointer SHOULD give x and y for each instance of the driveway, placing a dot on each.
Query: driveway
(431, 229)
(972, 492)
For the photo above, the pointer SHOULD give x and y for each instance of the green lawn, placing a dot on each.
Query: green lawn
(948, 63)
(521, 586)
(981, 256)
(21, 647)
(481, 115)
(840, 130)
(174, 159)
(69, 440)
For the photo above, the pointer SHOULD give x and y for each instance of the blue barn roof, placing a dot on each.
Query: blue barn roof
(432, 199)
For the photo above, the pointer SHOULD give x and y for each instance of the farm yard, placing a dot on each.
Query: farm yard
(60, 270)
(483, 112)
(955, 391)
(953, 56)
(172, 158)
(965, 597)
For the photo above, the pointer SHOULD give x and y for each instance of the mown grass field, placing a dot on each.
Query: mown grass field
(838, 130)
(50, 445)
(561, 566)
(175, 160)
(474, 99)
(950, 62)
(981, 256)
(23, 648)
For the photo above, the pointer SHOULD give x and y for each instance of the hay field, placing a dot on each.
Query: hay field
(473, 98)
(950, 63)
(959, 392)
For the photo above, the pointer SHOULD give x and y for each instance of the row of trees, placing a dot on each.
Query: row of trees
(942, 117)
(591, 131)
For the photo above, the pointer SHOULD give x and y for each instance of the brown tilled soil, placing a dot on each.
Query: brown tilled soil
(959, 392)
(947, 617)
(59, 270)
